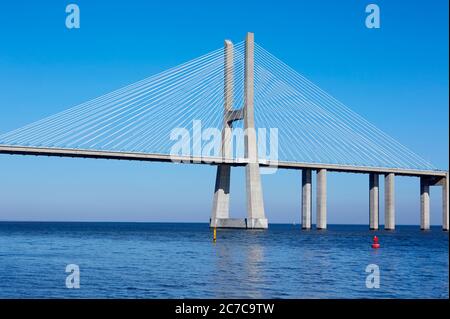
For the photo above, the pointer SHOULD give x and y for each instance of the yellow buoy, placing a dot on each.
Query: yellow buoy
(214, 235)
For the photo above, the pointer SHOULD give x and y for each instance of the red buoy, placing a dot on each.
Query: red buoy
(375, 244)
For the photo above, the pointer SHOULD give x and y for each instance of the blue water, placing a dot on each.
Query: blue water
(158, 260)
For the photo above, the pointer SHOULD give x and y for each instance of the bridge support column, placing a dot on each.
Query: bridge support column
(424, 203)
(321, 222)
(221, 202)
(445, 204)
(306, 199)
(255, 205)
(220, 215)
(389, 201)
(374, 201)
(445, 216)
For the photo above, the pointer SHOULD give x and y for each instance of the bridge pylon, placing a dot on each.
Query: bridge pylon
(220, 216)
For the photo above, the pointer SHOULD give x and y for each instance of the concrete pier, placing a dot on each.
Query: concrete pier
(443, 182)
(374, 201)
(445, 203)
(306, 199)
(389, 201)
(255, 205)
(321, 222)
(221, 201)
(424, 203)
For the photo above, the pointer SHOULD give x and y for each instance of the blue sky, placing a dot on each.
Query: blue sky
(395, 76)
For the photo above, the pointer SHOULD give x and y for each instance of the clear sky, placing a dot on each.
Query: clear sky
(395, 76)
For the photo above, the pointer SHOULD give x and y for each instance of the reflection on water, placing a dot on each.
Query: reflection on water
(253, 270)
(154, 260)
(238, 265)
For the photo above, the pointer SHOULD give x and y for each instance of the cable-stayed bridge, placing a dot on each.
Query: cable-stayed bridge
(219, 109)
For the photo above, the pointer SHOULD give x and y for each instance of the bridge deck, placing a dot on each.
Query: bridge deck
(131, 156)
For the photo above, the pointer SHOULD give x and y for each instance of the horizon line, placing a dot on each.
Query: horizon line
(181, 222)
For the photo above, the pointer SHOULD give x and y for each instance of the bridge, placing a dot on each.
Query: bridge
(240, 90)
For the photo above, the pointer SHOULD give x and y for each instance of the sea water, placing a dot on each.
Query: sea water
(180, 260)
